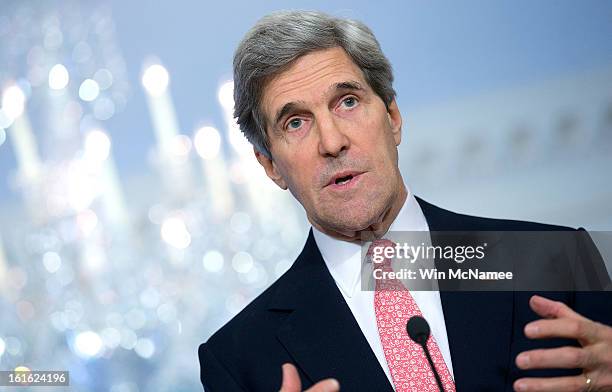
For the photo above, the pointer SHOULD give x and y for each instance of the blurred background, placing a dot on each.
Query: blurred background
(134, 221)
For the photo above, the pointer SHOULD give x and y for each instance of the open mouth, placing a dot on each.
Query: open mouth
(343, 180)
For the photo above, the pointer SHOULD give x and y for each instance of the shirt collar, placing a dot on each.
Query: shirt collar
(343, 258)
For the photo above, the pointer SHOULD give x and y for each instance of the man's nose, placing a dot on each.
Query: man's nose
(332, 138)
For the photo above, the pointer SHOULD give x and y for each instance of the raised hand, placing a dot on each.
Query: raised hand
(594, 357)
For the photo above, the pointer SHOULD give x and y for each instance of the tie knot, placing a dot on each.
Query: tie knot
(381, 251)
(383, 242)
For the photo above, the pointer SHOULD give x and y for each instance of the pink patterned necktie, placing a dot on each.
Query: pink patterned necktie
(407, 362)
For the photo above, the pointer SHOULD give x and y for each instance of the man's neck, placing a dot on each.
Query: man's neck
(377, 229)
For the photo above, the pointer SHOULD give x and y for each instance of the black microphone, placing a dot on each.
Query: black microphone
(418, 330)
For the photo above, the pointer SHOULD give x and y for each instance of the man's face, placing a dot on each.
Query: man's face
(333, 142)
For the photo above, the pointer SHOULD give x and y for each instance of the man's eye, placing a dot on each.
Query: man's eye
(294, 124)
(350, 102)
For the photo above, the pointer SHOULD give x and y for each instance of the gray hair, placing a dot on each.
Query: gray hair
(278, 39)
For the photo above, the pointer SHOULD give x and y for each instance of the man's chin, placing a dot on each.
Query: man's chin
(348, 227)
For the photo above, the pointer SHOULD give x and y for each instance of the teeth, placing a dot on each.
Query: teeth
(344, 180)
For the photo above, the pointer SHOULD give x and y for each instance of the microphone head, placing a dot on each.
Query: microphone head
(418, 329)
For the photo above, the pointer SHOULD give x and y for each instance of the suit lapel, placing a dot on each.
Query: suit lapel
(321, 334)
(478, 324)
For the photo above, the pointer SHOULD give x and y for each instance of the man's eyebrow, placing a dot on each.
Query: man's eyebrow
(282, 112)
(348, 85)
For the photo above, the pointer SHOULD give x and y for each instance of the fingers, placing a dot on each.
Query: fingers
(555, 384)
(581, 329)
(548, 308)
(328, 385)
(595, 355)
(558, 358)
(291, 379)
(291, 382)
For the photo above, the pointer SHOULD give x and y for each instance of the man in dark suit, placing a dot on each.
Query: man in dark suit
(314, 96)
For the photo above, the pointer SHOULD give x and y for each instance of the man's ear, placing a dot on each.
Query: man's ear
(395, 121)
(270, 168)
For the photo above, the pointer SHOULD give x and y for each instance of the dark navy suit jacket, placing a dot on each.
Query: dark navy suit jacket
(303, 319)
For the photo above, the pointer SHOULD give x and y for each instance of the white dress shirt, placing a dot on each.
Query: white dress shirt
(343, 259)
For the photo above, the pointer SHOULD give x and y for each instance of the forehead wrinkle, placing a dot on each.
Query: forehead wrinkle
(320, 63)
(319, 70)
(307, 81)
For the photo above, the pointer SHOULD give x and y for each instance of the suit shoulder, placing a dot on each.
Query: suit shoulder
(513, 225)
(249, 322)
(444, 219)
